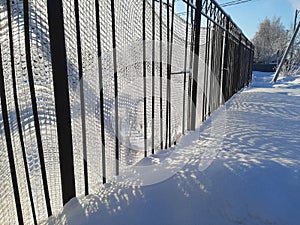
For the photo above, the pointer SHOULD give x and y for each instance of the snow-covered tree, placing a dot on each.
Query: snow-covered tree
(270, 40)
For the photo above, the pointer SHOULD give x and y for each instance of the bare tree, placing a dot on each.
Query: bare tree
(270, 40)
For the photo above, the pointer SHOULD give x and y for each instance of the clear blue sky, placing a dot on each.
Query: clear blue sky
(249, 15)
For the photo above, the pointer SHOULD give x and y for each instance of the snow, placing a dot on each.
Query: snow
(240, 167)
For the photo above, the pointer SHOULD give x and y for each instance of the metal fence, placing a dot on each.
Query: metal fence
(91, 87)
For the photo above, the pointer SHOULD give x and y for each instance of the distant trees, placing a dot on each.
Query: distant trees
(270, 40)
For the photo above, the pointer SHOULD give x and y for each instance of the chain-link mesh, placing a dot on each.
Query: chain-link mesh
(139, 116)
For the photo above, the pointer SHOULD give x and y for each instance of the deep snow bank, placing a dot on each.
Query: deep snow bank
(242, 166)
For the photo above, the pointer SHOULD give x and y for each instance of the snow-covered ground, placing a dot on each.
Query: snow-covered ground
(242, 166)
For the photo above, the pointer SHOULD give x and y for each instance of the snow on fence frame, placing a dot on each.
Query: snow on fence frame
(91, 87)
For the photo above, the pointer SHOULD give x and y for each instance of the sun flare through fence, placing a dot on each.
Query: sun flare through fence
(89, 88)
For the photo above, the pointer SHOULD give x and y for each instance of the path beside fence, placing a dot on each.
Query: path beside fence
(243, 169)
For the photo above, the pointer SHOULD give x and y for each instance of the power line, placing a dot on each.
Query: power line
(225, 4)
(235, 2)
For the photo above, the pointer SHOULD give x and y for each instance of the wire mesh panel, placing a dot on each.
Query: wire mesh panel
(19, 78)
(74, 90)
(42, 74)
(8, 208)
(90, 88)
(108, 85)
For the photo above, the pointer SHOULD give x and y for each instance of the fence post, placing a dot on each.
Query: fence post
(144, 77)
(82, 99)
(169, 68)
(103, 155)
(225, 60)
(220, 69)
(251, 49)
(153, 77)
(114, 45)
(196, 62)
(190, 70)
(185, 66)
(239, 70)
(62, 102)
(168, 73)
(160, 73)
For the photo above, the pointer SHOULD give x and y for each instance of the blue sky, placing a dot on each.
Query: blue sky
(249, 15)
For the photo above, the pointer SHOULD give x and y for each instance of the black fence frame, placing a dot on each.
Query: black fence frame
(228, 53)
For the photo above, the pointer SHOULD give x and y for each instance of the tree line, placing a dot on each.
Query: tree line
(271, 40)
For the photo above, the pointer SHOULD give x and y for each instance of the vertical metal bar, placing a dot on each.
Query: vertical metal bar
(211, 64)
(239, 65)
(185, 67)
(116, 84)
(211, 71)
(250, 65)
(62, 101)
(190, 70)
(153, 73)
(245, 56)
(215, 75)
(219, 68)
(196, 62)
(168, 72)
(244, 66)
(218, 65)
(249, 70)
(11, 44)
(235, 68)
(206, 70)
(160, 73)
(220, 96)
(233, 58)
(82, 100)
(169, 75)
(144, 78)
(34, 106)
(230, 66)
(9, 144)
(251, 54)
(101, 91)
(225, 60)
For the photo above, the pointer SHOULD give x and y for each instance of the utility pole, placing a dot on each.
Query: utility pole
(296, 16)
(286, 53)
(295, 26)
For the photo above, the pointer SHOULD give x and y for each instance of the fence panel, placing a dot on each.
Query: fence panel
(89, 88)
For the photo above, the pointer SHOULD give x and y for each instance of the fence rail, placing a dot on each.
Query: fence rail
(89, 88)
